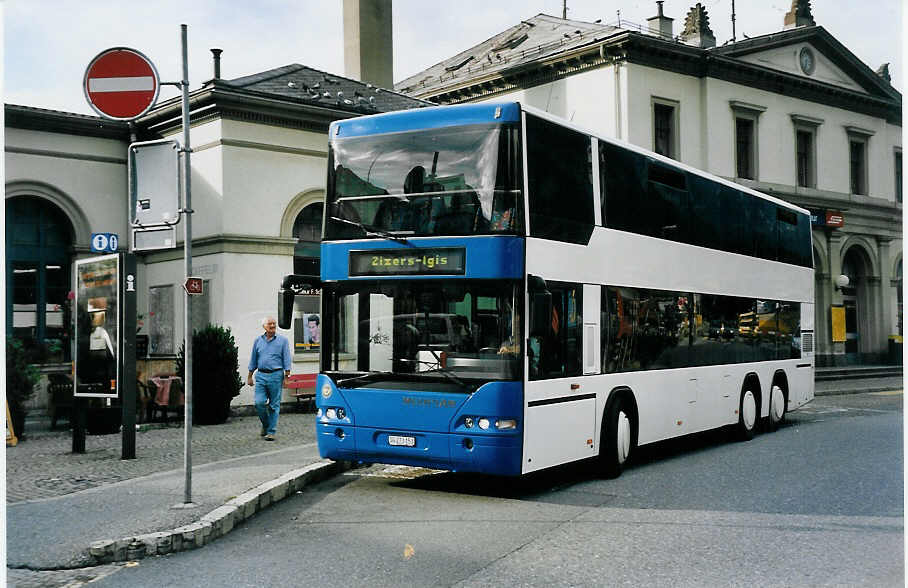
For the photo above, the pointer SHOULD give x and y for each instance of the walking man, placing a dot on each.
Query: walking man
(271, 358)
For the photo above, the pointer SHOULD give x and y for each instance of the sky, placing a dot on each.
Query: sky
(47, 44)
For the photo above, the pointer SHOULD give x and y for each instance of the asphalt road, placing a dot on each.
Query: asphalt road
(817, 503)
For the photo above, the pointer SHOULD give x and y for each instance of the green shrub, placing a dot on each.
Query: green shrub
(21, 377)
(215, 381)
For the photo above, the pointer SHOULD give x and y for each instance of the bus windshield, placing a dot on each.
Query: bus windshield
(446, 181)
(450, 331)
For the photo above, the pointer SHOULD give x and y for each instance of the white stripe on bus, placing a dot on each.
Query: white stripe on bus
(143, 83)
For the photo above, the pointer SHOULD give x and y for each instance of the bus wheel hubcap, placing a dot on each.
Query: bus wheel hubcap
(778, 403)
(624, 437)
(749, 410)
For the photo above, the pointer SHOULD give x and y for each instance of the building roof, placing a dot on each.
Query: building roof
(300, 83)
(294, 95)
(544, 48)
(58, 121)
(530, 41)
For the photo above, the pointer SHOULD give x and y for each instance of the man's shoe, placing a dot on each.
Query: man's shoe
(269, 437)
(263, 433)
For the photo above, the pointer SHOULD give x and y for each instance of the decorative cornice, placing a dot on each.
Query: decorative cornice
(66, 155)
(746, 108)
(250, 244)
(260, 147)
(803, 119)
(859, 132)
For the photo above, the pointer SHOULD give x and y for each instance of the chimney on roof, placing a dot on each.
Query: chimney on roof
(696, 28)
(883, 72)
(661, 25)
(216, 57)
(799, 15)
(368, 49)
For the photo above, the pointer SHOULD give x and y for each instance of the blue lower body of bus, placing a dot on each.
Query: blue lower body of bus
(479, 432)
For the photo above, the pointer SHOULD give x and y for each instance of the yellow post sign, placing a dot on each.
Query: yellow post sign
(837, 314)
(11, 439)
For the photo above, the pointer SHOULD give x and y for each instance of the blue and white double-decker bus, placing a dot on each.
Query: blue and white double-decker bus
(504, 292)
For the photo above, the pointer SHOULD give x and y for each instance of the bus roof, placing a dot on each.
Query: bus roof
(503, 112)
(426, 118)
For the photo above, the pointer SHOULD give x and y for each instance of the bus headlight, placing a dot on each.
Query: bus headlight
(331, 413)
(483, 423)
(503, 424)
(326, 390)
(468, 422)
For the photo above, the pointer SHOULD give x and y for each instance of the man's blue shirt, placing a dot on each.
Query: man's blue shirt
(270, 355)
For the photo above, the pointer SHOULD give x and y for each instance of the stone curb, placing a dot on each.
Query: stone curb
(868, 389)
(216, 523)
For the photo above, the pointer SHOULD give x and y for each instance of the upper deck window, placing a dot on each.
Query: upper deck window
(446, 181)
(560, 182)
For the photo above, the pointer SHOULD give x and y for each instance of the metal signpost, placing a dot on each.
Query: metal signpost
(123, 84)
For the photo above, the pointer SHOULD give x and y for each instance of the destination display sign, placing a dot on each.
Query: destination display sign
(433, 261)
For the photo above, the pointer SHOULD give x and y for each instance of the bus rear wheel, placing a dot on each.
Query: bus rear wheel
(617, 439)
(747, 415)
(776, 407)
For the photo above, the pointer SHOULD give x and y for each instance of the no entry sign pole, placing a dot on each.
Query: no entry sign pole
(187, 211)
(187, 266)
(122, 84)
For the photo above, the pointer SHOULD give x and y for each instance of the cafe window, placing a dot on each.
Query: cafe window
(161, 303)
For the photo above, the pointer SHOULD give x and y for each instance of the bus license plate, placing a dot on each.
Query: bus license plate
(401, 441)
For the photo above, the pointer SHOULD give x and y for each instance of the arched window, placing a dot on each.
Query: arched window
(38, 267)
(307, 228)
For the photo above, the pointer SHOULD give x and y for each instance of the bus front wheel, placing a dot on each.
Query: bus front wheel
(617, 438)
(747, 415)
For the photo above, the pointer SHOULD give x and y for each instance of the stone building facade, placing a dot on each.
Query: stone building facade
(792, 113)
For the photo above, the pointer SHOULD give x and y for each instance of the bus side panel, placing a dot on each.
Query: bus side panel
(560, 423)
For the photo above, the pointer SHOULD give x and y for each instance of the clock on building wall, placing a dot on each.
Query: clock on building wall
(807, 60)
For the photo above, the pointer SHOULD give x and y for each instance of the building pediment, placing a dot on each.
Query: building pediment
(814, 55)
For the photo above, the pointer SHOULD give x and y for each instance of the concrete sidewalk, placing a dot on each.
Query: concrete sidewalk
(67, 510)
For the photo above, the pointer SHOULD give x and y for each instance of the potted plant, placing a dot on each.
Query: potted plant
(21, 377)
(215, 380)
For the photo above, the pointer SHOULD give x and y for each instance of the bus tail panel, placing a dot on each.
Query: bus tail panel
(479, 432)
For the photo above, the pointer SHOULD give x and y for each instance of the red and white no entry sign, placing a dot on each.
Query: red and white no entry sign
(121, 83)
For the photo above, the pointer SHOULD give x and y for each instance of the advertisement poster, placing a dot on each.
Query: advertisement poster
(312, 331)
(97, 320)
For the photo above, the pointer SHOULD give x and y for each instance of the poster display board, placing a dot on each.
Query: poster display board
(837, 318)
(97, 319)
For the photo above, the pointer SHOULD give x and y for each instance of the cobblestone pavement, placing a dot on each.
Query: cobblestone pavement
(43, 464)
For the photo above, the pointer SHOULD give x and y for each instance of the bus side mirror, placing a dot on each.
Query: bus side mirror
(285, 298)
(540, 306)
(540, 313)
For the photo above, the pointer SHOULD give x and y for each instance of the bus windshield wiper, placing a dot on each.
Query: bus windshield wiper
(371, 231)
(436, 369)
(362, 378)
